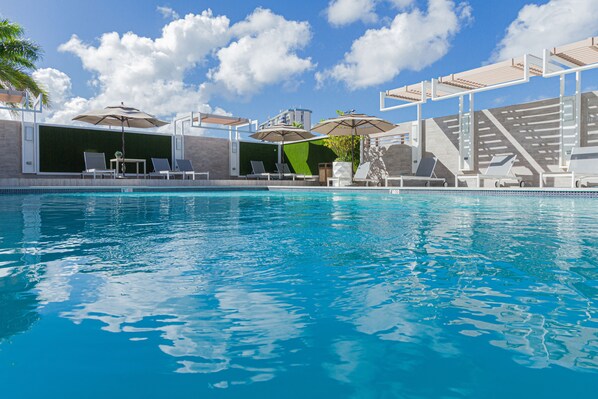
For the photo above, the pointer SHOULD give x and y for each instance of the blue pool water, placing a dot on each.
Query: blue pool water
(298, 295)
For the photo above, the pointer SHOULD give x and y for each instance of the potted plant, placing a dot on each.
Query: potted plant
(341, 167)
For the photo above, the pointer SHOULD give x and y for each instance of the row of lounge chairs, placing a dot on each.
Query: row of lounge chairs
(258, 171)
(95, 166)
(582, 166)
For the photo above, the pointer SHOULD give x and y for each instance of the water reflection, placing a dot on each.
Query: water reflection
(161, 264)
(19, 276)
(233, 286)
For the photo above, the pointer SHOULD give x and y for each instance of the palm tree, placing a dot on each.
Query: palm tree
(17, 60)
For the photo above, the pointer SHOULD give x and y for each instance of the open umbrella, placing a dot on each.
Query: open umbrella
(120, 115)
(282, 133)
(352, 124)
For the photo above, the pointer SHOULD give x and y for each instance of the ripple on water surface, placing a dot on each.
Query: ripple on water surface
(310, 294)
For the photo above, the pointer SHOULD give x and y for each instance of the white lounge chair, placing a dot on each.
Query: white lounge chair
(185, 166)
(499, 170)
(162, 169)
(425, 172)
(95, 165)
(258, 171)
(361, 175)
(583, 165)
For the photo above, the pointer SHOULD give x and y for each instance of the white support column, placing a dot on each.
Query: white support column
(472, 133)
(562, 158)
(29, 147)
(466, 135)
(578, 104)
(233, 155)
(570, 119)
(416, 140)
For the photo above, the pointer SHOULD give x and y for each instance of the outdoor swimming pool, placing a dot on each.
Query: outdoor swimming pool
(255, 295)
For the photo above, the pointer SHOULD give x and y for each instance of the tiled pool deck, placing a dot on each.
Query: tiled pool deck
(56, 185)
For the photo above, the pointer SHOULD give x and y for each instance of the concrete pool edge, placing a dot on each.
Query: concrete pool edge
(520, 192)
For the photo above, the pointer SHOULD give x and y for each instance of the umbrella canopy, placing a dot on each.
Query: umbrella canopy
(282, 133)
(353, 124)
(120, 115)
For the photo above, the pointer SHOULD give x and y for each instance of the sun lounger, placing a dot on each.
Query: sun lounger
(95, 165)
(425, 172)
(361, 175)
(284, 171)
(583, 165)
(162, 169)
(499, 170)
(185, 166)
(259, 172)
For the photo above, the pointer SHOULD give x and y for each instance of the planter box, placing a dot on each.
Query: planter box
(342, 170)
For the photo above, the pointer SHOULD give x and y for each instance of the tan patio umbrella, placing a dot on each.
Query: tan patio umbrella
(282, 133)
(353, 124)
(120, 115)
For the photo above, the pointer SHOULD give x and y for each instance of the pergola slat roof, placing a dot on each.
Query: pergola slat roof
(411, 93)
(223, 120)
(580, 53)
(490, 75)
(478, 78)
(12, 96)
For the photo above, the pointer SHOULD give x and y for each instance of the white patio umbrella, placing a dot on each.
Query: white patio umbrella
(120, 115)
(282, 133)
(352, 124)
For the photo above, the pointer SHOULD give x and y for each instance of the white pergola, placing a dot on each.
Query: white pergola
(200, 120)
(558, 61)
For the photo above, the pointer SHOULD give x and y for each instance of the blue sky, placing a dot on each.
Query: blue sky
(252, 59)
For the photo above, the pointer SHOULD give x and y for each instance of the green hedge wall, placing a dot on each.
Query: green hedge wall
(303, 158)
(267, 153)
(61, 148)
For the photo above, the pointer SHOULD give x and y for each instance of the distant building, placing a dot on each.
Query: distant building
(288, 117)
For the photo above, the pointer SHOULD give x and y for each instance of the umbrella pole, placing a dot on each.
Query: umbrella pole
(122, 124)
(282, 151)
(352, 150)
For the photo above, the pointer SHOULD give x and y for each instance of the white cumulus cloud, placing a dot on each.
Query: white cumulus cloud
(541, 26)
(264, 52)
(151, 73)
(64, 105)
(343, 12)
(413, 40)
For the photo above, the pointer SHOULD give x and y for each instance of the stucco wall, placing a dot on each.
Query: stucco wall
(10, 149)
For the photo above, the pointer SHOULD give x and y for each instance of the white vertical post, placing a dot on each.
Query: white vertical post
(472, 133)
(562, 157)
(28, 147)
(461, 149)
(416, 140)
(578, 121)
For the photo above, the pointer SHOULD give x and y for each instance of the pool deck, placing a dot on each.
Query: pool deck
(66, 185)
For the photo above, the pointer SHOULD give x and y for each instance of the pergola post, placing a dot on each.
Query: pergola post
(570, 119)
(466, 135)
(416, 140)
